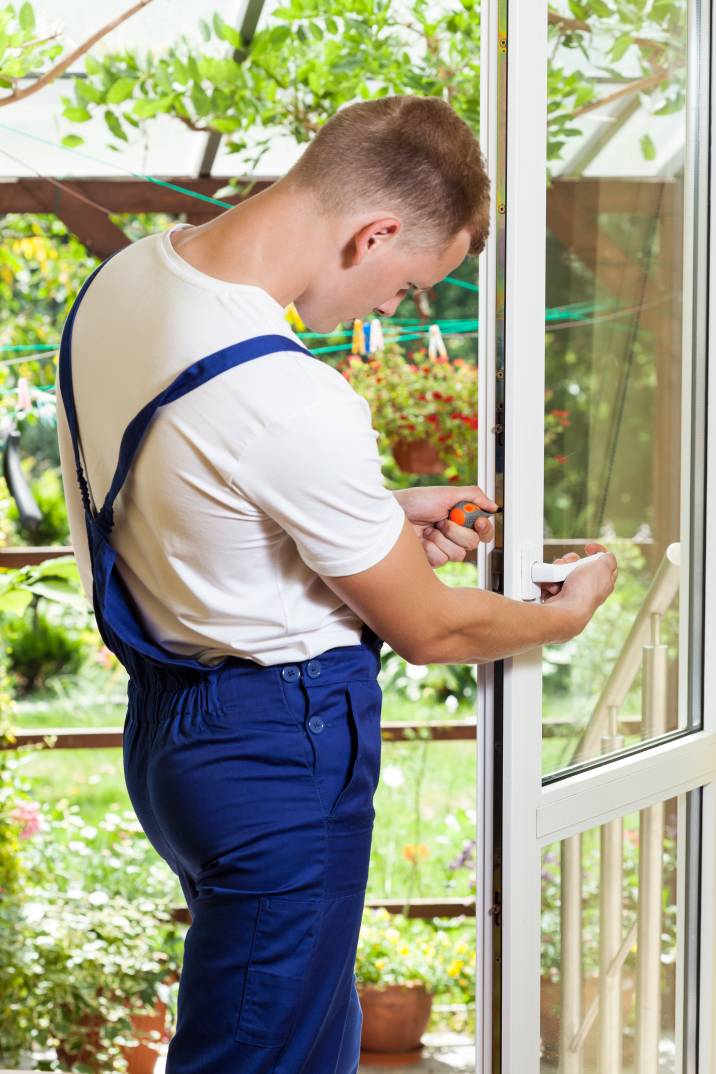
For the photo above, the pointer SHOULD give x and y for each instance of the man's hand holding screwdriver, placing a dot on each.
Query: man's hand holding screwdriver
(428, 622)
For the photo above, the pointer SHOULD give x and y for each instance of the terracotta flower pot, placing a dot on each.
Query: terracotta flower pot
(140, 1059)
(90, 1024)
(394, 1019)
(417, 457)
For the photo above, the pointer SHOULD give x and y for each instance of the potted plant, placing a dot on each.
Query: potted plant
(423, 408)
(401, 963)
(101, 951)
(18, 822)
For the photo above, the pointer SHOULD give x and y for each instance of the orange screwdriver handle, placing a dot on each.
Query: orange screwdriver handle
(466, 513)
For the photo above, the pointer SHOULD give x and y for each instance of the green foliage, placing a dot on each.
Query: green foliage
(640, 46)
(39, 649)
(41, 268)
(58, 579)
(296, 72)
(91, 933)
(299, 70)
(22, 48)
(432, 684)
(49, 496)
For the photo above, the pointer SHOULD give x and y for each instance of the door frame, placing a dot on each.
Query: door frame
(518, 813)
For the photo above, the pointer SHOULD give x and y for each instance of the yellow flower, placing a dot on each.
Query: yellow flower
(460, 946)
(405, 949)
(413, 851)
(455, 967)
(392, 935)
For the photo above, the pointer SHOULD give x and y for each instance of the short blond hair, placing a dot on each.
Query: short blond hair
(414, 154)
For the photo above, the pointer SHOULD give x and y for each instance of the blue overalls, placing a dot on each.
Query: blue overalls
(255, 784)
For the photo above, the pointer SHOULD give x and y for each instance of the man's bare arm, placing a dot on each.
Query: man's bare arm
(404, 601)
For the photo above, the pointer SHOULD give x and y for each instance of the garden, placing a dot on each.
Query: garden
(91, 943)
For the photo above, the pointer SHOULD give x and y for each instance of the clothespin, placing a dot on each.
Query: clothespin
(293, 317)
(24, 400)
(376, 341)
(436, 344)
(358, 344)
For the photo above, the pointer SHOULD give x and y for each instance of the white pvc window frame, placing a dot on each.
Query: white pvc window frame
(518, 814)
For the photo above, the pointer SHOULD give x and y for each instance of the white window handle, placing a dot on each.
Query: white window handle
(557, 572)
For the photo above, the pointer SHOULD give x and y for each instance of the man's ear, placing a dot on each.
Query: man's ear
(370, 235)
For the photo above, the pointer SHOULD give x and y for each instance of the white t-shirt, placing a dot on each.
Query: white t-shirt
(243, 491)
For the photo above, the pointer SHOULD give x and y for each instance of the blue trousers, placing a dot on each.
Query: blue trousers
(256, 786)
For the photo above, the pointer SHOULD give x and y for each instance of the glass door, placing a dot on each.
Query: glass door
(598, 756)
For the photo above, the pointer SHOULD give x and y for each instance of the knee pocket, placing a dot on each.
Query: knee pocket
(277, 970)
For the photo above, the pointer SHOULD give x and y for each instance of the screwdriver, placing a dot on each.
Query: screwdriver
(466, 513)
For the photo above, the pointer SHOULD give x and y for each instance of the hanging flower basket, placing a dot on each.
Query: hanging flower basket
(417, 457)
(424, 408)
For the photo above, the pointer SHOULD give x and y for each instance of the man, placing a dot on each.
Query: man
(245, 559)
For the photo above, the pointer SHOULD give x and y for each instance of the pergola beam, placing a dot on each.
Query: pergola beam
(84, 204)
(120, 195)
(249, 22)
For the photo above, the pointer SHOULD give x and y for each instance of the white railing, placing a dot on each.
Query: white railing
(643, 649)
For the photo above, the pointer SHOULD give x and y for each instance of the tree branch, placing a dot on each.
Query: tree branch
(580, 25)
(59, 68)
(641, 84)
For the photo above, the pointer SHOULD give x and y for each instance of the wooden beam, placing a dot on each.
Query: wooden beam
(30, 555)
(646, 196)
(93, 738)
(120, 195)
(80, 214)
(423, 908)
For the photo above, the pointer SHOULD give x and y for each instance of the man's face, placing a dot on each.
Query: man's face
(378, 280)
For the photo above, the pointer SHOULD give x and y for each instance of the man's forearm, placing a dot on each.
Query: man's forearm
(477, 625)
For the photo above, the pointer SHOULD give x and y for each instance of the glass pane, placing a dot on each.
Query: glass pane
(616, 368)
(609, 916)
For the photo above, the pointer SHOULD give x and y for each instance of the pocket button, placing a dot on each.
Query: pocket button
(316, 724)
(290, 673)
(313, 668)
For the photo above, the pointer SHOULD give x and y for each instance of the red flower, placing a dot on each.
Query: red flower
(560, 458)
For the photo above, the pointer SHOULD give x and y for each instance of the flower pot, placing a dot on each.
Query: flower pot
(141, 1058)
(417, 457)
(87, 1030)
(550, 1011)
(394, 1019)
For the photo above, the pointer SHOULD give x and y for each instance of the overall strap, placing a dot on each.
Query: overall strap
(66, 387)
(198, 373)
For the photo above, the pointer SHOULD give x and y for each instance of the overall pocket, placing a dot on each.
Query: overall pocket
(277, 970)
(355, 800)
(340, 728)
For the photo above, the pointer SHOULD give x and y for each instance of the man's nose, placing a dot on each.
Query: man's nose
(388, 308)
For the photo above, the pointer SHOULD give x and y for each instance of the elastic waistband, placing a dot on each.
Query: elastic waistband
(159, 687)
